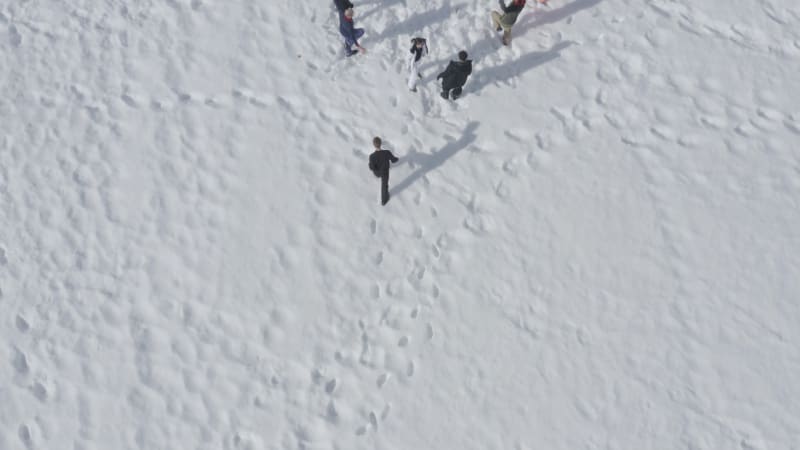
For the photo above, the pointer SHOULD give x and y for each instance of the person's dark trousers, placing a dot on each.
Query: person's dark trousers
(448, 93)
(385, 188)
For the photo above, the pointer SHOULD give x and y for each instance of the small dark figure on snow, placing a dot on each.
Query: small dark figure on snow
(379, 163)
(342, 5)
(350, 33)
(455, 75)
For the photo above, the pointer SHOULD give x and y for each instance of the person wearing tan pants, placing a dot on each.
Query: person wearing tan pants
(505, 21)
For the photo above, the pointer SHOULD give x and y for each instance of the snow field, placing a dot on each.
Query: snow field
(594, 248)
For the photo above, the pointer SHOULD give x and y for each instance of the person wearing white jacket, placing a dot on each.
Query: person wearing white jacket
(419, 48)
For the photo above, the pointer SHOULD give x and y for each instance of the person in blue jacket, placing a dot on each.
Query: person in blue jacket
(351, 34)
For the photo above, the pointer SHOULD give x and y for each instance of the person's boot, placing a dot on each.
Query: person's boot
(444, 95)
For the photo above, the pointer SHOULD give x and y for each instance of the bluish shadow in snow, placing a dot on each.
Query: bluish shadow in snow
(429, 162)
(416, 23)
(379, 5)
(547, 17)
(504, 72)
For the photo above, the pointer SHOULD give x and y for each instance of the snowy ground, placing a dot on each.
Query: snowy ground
(595, 248)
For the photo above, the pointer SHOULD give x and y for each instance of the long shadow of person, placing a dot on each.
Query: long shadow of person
(378, 6)
(504, 72)
(432, 161)
(554, 15)
(416, 22)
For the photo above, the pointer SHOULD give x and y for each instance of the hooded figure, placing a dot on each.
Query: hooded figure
(455, 75)
(419, 48)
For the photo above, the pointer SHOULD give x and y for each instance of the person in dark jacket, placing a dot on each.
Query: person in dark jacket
(351, 34)
(342, 5)
(455, 75)
(379, 163)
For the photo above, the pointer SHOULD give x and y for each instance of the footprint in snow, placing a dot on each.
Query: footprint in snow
(429, 332)
(22, 324)
(14, 37)
(382, 379)
(330, 386)
(385, 412)
(410, 369)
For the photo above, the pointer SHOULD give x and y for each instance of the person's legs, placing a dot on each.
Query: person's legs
(496, 20)
(385, 188)
(348, 43)
(348, 47)
(456, 93)
(507, 35)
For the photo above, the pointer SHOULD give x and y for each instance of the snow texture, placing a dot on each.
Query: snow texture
(596, 247)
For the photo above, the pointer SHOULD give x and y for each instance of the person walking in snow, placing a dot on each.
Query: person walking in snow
(455, 75)
(379, 162)
(419, 48)
(351, 34)
(342, 5)
(505, 21)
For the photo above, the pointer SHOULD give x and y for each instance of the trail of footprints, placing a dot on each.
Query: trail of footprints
(698, 23)
(137, 100)
(398, 332)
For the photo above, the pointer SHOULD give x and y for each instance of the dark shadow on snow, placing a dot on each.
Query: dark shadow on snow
(414, 24)
(432, 161)
(514, 68)
(548, 17)
(379, 5)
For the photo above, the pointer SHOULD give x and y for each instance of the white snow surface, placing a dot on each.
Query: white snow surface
(597, 247)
